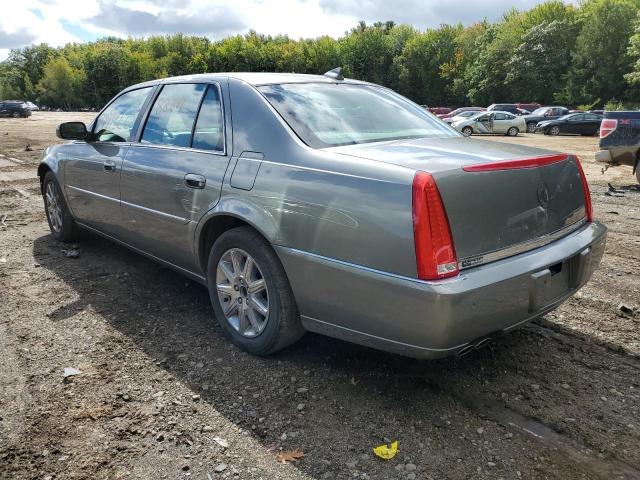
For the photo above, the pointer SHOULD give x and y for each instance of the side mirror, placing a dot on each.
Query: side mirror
(72, 131)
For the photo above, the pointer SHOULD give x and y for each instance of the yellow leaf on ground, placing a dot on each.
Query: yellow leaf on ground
(386, 452)
(289, 456)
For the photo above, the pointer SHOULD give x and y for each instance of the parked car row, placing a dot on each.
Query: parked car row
(514, 118)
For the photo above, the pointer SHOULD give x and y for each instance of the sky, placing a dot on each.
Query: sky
(57, 22)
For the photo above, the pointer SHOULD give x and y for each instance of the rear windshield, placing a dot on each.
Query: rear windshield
(332, 114)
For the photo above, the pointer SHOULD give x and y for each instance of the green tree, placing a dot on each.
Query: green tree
(536, 68)
(421, 62)
(601, 59)
(59, 84)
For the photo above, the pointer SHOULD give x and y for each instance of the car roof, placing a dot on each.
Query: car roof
(252, 78)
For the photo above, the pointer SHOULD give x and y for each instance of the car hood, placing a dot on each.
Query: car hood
(438, 154)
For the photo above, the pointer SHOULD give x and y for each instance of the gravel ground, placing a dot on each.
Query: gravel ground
(161, 393)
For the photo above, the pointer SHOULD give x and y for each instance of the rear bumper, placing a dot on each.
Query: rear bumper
(623, 155)
(436, 319)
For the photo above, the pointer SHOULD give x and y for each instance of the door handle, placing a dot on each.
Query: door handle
(109, 166)
(193, 180)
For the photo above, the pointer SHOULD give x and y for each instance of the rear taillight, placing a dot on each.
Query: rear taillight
(435, 254)
(607, 127)
(588, 208)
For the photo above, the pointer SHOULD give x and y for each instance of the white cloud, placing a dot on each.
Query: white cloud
(61, 21)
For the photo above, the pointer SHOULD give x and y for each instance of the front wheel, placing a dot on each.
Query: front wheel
(62, 225)
(555, 130)
(531, 127)
(513, 131)
(467, 131)
(250, 293)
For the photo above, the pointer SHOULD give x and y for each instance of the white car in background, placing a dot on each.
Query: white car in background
(504, 123)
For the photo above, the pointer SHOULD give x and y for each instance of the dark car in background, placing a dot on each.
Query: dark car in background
(503, 107)
(544, 113)
(620, 139)
(576, 123)
(15, 109)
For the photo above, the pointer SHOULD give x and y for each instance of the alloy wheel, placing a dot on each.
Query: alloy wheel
(242, 291)
(555, 130)
(54, 208)
(531, 128)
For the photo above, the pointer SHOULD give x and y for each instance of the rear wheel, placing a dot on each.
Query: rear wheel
(531, 127)
(555, 130)
(62, 225)
(513, 131)
(250, 293)
(15, 114)
(467, 131)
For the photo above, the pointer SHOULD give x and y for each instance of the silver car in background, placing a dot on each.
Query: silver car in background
(318, 203)
(494, 122)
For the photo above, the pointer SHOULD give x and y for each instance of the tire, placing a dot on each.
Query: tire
(513, 132)
(15, 115)
(555, 130)
(61, 223)
(638, 173)
(255, 332)
(467, 131)
(531, 127)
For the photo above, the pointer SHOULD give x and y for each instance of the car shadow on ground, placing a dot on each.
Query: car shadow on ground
(330, 398)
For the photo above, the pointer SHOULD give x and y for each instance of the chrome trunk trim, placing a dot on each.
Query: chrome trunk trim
(476, 260)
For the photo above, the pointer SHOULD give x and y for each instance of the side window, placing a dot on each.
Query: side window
(499, 116)
(209, 132)
(509, 116)
(174, 111)
(116, 122)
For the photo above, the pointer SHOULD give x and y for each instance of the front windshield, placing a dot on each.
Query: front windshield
(333, 114)
(539, 111)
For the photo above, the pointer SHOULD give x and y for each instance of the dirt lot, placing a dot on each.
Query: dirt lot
(162, 394)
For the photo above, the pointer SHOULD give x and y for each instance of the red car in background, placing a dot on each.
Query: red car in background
(528, 106)
(438, 111)
(458, 111)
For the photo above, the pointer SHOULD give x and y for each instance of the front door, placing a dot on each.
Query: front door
(173, 176)
(92, 168)
(484, 124)
(500, 122)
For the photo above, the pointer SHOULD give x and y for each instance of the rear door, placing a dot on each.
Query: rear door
(592, 123)
(173, 175)
(92, 168)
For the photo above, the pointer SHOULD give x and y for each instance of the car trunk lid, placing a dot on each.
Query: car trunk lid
(500, 199)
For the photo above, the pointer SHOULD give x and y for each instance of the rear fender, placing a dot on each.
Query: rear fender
(243, 209)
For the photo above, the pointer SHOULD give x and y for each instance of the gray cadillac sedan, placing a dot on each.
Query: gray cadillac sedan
(318, 203)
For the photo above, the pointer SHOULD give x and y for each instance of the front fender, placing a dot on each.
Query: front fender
(52, 159)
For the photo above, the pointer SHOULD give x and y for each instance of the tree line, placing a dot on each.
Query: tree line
(584, 55)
